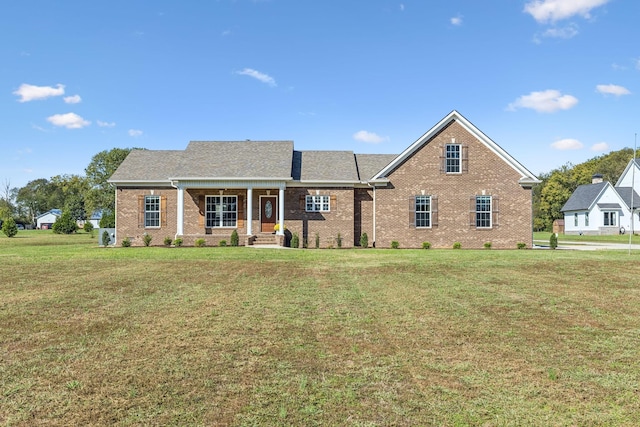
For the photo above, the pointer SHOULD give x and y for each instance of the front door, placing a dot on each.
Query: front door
(267, 213)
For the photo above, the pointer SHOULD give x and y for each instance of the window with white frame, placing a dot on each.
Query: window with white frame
(575, 219)
(452, 158)
(610, 218)
(586, 219)
(221, 211)
(317, 203)
(423, 211)
(483, 211)
(152, 211)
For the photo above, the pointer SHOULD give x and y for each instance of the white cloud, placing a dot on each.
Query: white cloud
(401, 7)
(264, 78)
(567, 144)
(566, 32)
(75, 99)
(369, 137)
(105, 124)
(556, 10)
(28, 92)
(600, 146)
(612, 90)
(547, 101)
(456, 20)
(69, 121)
(638, 64)
(135, 133)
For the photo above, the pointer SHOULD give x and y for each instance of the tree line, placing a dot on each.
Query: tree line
(81, 196)
(76, 195)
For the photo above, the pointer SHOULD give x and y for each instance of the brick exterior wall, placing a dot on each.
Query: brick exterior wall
(351, 209)
(421, 174)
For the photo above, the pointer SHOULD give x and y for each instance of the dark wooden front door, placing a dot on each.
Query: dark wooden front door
(268, 209)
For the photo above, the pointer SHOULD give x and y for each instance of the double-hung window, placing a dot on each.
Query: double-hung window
(221, 211)
(452, 158)
(586, 219)
(317, 204)
(152, 211)
(483, 211)
(575, 219)
(610, 218)
(423, 211)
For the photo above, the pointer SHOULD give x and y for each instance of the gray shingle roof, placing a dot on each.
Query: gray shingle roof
(325, 166)
(371, 164)
(148, 165)
(625, 194)
(584, 196)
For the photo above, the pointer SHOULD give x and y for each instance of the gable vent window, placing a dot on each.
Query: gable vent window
(454, 159)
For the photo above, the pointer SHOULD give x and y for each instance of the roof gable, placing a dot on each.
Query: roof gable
(585, 196)
(527, 178)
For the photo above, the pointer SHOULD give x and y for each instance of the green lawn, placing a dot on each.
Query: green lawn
(576, 238)
(269, 337)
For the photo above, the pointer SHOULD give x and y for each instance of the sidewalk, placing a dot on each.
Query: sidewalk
(585, 246)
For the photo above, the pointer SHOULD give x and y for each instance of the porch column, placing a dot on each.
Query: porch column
(180, 225)
(281, 210)
(249, 211)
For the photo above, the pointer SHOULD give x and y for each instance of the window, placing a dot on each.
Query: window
(483, 211)
(575, 219)
(423, 211)
(221, 211)
(609, 218)
(317, 203)
(152, 211)
(586, 219)
(452, 158)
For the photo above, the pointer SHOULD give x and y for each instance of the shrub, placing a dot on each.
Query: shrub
(395, 244)
(317, 240)
(223, 243)
(105, 238)
(426, 245)
(295, 241)
(553, 241)
(167, 241)
(235, 240)
(487, 245)
(9, 227)
(146, 239)
(88, 227)
(339, 240)
(178, 242)
(108, 220)
(126, 242)
(65, 224)
(200, 243)
(364, 240)
(457, 245)
(521, 245)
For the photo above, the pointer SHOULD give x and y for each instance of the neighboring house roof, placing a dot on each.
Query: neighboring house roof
(56, 212)
(585, 196)
(527, 178)
(625, 194)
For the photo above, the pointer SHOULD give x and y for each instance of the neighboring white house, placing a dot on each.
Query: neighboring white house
(45, 221)
(601, 208)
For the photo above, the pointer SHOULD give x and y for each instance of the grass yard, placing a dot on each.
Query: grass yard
(267, 337)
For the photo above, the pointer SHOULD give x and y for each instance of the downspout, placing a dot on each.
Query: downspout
(374, 214)
(180, 210)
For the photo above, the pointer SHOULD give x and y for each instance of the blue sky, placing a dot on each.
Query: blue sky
(551, 81)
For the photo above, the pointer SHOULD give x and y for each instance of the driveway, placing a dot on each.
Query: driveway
(585, 246)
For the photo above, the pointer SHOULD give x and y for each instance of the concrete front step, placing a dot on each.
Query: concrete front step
(265, 239)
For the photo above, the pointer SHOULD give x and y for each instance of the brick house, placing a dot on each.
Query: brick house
(454, 184)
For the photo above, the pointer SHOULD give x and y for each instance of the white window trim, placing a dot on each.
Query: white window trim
(318, 200)
(490, 212)
(221, 221)
(447, 158)
(159, 211)
(612, 214)
(429, 212)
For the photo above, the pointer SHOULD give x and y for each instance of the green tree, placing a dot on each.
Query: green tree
(65, 224)
(101, 195)
(73, 189)
(9, 227)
